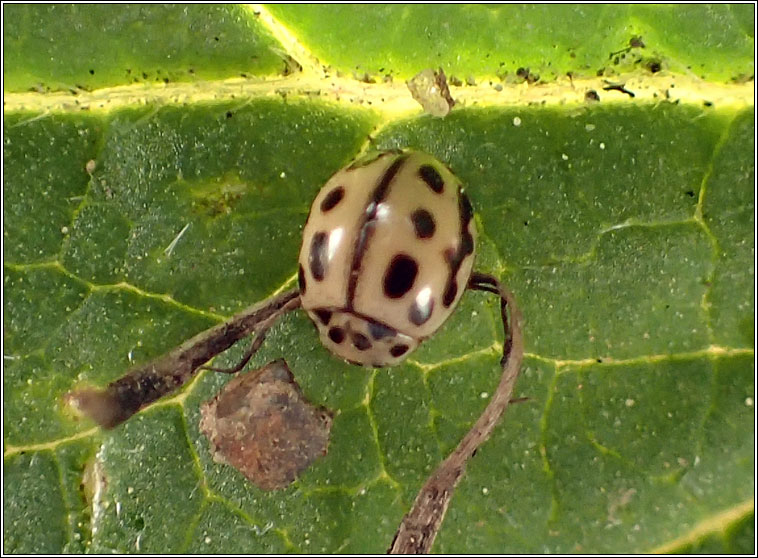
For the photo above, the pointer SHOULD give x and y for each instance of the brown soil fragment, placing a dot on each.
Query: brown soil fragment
(261, 424)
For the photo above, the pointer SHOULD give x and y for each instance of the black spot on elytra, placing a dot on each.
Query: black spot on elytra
(367, 226)
(450, 255)
(323, 315)
(455, 257)
(467, 243)
(360, 341)
(464, 205)
(420, 314)
(380, 331)
(381, 190)
(332, 199)
(432, 178)
(399, 350)
(301, 279)
(451, 289)
(423, 223)
(317, 257)
(400, 276)
(337, 334)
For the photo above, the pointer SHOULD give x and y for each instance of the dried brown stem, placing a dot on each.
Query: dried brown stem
(149, 382)
(420, 525)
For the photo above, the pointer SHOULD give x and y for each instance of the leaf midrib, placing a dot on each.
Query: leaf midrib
(391, 100)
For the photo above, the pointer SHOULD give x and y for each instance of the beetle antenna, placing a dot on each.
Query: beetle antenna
(149, 382)
(419, 527)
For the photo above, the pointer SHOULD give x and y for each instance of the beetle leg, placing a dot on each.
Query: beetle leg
(259, 336)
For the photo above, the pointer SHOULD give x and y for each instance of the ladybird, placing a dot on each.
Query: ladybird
(388, 249)
(387, 252)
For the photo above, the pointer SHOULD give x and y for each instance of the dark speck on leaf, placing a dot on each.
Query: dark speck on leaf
(654, 66)
(618, 87)
(591, 96)
(636, 42)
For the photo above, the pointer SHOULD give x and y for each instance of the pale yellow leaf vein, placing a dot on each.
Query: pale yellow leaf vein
(715, 524)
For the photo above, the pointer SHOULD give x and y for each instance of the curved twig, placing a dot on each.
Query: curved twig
(149, 382)
(420, 525)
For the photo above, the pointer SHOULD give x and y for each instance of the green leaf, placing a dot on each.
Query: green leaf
(480, 40)
(53, 47)
(138, 214)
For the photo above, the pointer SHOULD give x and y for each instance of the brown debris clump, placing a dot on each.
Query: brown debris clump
(261, 425)
(430, 90)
